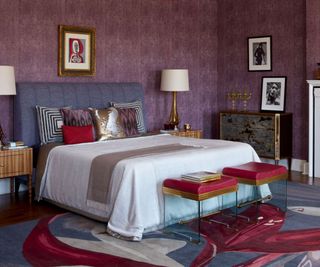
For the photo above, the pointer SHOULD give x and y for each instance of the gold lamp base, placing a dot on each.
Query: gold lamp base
(174, 117)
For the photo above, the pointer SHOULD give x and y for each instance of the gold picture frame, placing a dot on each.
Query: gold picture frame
(77, 49)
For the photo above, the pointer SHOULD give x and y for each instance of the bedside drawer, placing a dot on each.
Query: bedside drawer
(13, 163)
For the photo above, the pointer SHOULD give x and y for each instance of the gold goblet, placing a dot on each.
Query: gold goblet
(233, 96)
(245, 97)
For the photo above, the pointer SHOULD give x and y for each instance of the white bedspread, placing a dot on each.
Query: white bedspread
(135, 202)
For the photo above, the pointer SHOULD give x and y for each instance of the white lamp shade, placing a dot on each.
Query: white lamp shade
(7, 81)
(174, 80)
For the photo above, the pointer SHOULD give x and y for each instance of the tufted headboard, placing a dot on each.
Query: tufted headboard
(76, 95)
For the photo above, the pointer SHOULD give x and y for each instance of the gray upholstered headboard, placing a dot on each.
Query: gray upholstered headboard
(76, 95)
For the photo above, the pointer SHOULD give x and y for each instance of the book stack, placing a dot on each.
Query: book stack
(15, 145)
(201, 176)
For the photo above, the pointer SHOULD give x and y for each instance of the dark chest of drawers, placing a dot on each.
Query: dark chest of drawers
(270, 134)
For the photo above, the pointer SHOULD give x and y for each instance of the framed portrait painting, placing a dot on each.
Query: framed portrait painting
(273, 94)
(259, 53)
(76, 51)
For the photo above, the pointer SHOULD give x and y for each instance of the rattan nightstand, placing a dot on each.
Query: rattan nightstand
(189, 133)
(15, 162)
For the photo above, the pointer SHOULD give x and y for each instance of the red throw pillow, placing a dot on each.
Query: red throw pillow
(77, 134)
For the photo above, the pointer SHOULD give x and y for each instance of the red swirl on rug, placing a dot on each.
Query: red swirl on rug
(41, 248)
(263, 236)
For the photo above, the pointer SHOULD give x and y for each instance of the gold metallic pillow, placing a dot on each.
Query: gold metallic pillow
(107, 123)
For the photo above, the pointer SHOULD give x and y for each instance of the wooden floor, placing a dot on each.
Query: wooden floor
(15, 209)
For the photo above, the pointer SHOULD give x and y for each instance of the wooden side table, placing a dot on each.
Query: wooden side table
(15, 162)
(189, 133)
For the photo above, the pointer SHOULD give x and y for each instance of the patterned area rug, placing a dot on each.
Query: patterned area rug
(275, 239)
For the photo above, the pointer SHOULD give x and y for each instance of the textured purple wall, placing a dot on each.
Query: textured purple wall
(285, 22)
(313, 37)
(135, 39)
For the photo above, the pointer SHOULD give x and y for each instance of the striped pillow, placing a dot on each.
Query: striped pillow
(137, 105)
(49, 122)
(128, 118)
(76, 117)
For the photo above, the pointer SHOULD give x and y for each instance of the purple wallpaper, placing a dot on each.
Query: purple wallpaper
(285, 22)
(313, 37)
(135, 39)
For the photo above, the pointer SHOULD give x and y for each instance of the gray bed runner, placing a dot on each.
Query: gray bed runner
(102, 167)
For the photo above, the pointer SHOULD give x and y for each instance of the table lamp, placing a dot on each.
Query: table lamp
(7, 87)
(174, 80)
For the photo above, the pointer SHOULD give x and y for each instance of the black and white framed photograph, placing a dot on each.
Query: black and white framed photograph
(259, 53)
(273, 93)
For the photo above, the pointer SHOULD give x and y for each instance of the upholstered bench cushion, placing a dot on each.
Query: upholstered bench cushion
(257, 172)
(200, 191)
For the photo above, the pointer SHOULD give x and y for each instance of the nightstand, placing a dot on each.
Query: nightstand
(15, 162)
(189, 133)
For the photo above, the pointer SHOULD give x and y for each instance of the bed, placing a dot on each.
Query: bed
(133, 203)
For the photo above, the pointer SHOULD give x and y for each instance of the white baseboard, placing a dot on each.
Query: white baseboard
(305, 168)
(296, 164)
(5, 186)
(299, 165)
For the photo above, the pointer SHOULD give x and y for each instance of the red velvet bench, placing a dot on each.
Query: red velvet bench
(258, 173)
(199, 191)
